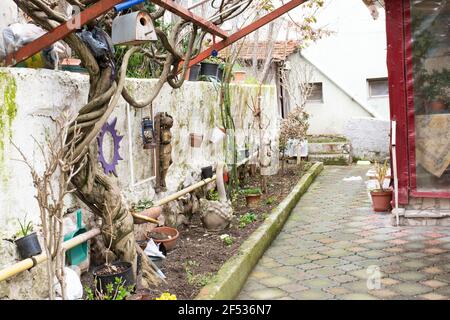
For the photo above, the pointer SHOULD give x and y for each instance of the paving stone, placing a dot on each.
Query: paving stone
(384, 293)
(409, 276)
(413, 264)
(434, 283)
(337, 291)
(313, 294)
(309, 266)
(433, 296)
(348, 267)
(373, 254)
(267, 294)
(326, 272)
(275, 281)
(411, 289)
(343, 278)
(443, 277)
(358, 296)
(319, 283)
(433, 270)
(388, 281)
(293, 287)
(260, 274)
(330, 262)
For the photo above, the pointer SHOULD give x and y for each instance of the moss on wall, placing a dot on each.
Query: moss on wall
(8, 111)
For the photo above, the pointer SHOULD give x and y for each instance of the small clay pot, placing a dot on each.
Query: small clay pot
(381, 200)
(196, 140)
(253, 200)
(169, 244)
(239, 76)
(153, 213)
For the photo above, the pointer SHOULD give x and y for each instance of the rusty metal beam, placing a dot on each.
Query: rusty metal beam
(247, 30)
(189, 16)
(61, 31)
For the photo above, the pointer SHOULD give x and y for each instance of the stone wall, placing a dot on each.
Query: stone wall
(369, 138)
(30, 98)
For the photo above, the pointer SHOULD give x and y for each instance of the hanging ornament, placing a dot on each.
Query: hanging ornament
(148, 133)
(214, 53)
(111, 128)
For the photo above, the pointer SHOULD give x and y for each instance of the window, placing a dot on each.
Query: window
(316, 93)
(378, 87)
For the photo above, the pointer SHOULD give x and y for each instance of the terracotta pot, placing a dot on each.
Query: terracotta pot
(196, 140)
(437, 106)
(253, 200)
(239, 76)
(169, 244)
(153, 213)
(381, 200)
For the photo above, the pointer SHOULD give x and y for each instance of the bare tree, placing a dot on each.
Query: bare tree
(52, 184)
(297, 83)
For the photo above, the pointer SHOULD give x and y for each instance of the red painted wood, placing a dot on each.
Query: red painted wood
(246, 30)
(397, 91)
(189, 16)
(61, 31)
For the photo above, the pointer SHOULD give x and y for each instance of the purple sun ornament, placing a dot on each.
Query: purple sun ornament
(111, 128)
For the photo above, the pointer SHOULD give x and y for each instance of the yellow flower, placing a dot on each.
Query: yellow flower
(167, 296)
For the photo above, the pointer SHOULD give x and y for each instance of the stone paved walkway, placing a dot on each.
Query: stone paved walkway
(333, 247)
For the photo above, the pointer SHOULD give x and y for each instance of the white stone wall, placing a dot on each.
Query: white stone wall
(40, 94)
(369, 137)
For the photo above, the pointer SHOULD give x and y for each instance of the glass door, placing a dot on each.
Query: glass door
(428, 92)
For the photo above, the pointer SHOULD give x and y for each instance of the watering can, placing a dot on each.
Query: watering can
(78, 254)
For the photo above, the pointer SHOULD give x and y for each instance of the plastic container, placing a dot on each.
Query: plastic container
(28, 246)
(77, 255)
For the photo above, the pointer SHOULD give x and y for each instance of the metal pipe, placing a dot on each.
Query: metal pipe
(127, 4)
(26, 264)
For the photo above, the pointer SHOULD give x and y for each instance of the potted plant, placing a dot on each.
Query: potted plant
(194, 72)
(381, 198)
(146, 208)
(28, 243)
(435, 90)
(166, 236)
(252, 196)
(238, 74)
(212, 68)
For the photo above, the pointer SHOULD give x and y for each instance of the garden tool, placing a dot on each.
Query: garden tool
(77, 255)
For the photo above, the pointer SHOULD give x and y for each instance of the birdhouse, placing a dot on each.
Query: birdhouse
(133, 29)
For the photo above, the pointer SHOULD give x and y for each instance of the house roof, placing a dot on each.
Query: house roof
(281, 50)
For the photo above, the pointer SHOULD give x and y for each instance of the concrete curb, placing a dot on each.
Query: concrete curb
(230, 279)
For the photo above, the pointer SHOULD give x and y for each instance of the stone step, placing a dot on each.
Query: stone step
(329, 148)
(343, 159)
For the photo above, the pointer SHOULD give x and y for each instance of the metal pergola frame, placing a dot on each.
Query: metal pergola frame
(103, 6)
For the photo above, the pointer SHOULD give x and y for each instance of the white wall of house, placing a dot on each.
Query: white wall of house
(355, 52)
(330, 115)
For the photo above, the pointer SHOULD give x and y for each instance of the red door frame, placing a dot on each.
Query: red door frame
(397, 91)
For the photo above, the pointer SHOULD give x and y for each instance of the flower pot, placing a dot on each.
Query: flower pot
(196, 140)
(239, 76)
(103, 275)
(28, 246)
(153, 213)
(381, 200)
(207, 172)
(194, 72)
(170, 242)
(253, 200)
(437, 106)
(211, 70)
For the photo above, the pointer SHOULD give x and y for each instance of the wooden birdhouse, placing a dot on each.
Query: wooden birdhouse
(133, 29)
